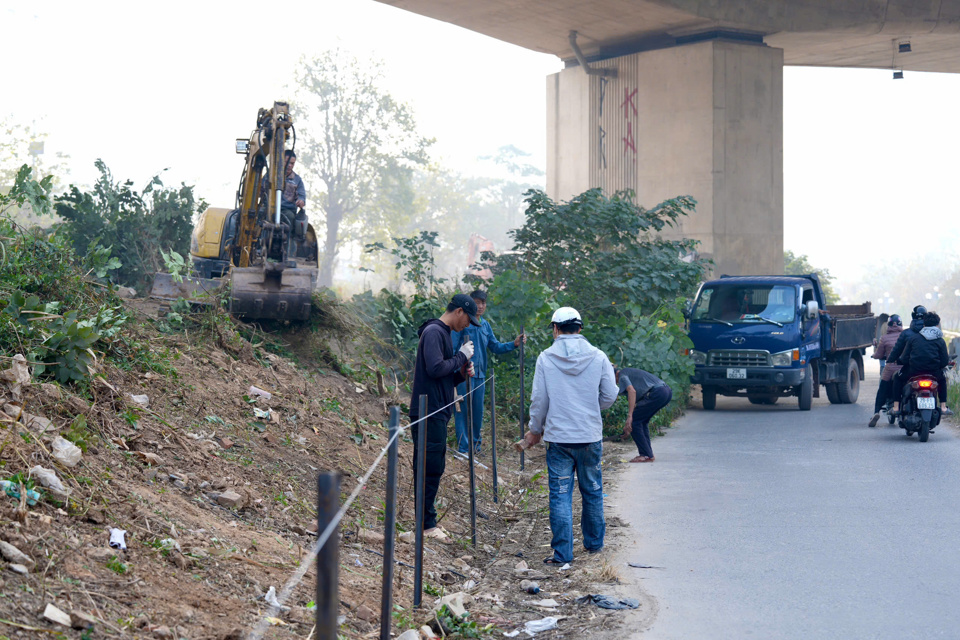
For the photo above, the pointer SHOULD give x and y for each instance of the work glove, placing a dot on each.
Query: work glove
(470, 370)
(467, 349)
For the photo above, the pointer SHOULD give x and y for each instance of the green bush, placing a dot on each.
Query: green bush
(135, 227)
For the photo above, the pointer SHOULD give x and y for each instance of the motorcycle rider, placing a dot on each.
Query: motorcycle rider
(887, 342)
(926, 354)
(916, 324)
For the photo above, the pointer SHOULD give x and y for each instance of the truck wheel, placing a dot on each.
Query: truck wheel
(833, 395)
(849, 388)
(709, 399)
(805, 397)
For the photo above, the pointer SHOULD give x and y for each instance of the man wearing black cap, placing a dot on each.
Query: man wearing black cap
(438, 370)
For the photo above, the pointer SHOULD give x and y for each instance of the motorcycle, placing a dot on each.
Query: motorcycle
(920, 410)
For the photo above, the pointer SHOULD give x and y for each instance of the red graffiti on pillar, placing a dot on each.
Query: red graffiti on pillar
(628, 102)
(629, 105)
(628, 142)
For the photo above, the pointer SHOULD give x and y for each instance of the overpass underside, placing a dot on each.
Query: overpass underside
(685, 97)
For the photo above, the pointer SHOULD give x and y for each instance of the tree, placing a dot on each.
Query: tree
(134, 226)
(350, 131)
(21, 144)
(794, 265)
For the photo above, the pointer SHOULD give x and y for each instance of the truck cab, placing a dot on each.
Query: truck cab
(767, 337)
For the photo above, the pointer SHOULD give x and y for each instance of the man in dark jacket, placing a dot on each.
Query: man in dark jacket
(438, 370)
(916, 324)
(926, 354)
(646, 395)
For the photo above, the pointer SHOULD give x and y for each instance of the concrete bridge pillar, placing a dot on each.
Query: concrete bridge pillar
(702, 119)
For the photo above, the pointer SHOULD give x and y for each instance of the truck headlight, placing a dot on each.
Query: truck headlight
(785, 358)
(697, 357)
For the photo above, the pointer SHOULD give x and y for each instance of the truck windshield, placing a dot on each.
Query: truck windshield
(741, 304)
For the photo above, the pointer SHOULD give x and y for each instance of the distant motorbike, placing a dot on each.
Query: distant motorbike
(920, 409)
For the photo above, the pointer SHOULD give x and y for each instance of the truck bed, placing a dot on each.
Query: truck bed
(851, 326)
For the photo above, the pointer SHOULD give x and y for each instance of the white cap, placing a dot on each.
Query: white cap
(563, 315)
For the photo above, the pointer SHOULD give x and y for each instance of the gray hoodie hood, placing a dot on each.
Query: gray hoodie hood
(571, 354)
(931, 333)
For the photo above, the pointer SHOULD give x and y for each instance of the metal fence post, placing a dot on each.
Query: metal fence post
(473, 476)
(523, 408)
(493, 435)
(421, 473)
(328, 600)
(389, 526)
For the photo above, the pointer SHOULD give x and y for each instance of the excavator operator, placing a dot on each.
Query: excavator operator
(293, 199)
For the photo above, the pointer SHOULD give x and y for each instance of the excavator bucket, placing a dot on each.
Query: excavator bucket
(260, 293)
(193, 289)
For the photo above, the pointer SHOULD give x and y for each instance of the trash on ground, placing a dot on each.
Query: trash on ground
(260, 413)
(142, 400)
(609, 602)
(257, 391)
(14, 555)
(13, 490)
(536, 626)
(54, 614)
(637, 565)
(48, 478)
(169, 544)
(521, 566)
(409, 634)
(549, 603)
(271, 599)
(454, 603)
(530, 586)
(65, 452)
(565, 567)
(116, 539)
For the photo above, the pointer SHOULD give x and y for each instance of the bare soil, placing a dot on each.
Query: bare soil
(195, 568)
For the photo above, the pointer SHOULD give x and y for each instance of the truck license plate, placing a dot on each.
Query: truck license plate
(926, 403)
(737, 374)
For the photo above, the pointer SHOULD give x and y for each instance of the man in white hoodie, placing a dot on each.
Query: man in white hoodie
(573, 382)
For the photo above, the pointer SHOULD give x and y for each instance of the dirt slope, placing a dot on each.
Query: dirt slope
(217, 500)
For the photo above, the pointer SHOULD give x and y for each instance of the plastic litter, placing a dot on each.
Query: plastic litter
(511, 634)
(13, 490)
(271, 599)
(65, 452)
(637, 565)
(536, 626)
(530, 586)
(48, 478)
(169, 544)
(142, 400)
(609, 602)
(257, 391)
(116, 539)
(565, 567)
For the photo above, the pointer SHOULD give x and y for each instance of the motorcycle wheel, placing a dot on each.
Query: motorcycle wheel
(924, 433)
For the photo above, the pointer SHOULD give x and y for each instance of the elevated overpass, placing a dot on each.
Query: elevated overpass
(672, 97)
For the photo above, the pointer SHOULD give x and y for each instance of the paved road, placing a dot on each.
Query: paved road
(772, 523)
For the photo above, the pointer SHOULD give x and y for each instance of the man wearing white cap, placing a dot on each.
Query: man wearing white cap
(573, 382)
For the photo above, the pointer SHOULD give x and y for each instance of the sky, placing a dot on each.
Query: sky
(870, 163)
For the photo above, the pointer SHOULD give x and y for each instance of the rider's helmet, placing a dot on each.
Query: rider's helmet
(895, 321)
(918, 312)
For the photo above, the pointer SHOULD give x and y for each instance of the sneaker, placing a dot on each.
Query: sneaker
(874, 420)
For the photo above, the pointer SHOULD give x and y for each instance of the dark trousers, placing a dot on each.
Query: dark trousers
(647, 407)
(436, 461)
(883, 394)
(900, 381)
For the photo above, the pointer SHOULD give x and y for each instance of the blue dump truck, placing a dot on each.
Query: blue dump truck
(770, 337)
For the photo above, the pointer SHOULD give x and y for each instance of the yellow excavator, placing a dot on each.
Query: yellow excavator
(268, 252)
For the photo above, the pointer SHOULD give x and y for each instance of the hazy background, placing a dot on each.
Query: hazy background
(869, 163)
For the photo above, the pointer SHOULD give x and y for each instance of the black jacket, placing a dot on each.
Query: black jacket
(906, 334)
(925, 352)
(438, 370)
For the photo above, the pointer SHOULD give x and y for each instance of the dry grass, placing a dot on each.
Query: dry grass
(608, 573)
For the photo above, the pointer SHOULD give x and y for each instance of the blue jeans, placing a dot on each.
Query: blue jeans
(460, 417)
(562, 461)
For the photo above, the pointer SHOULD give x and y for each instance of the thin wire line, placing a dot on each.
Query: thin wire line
(301, 571)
